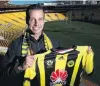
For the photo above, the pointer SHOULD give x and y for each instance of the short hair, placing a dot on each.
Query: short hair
(32, 7)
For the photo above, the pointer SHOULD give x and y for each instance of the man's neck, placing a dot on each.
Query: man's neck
(36, 36)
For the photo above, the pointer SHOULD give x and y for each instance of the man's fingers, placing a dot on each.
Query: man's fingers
(29, 61)
(89, 49)
(30, 57)
(29, 64)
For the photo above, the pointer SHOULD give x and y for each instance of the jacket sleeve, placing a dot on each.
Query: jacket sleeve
(9, 64)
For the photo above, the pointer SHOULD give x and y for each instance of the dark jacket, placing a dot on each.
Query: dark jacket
(10, 63)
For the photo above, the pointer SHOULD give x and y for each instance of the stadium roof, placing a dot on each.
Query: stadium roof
(24, 2)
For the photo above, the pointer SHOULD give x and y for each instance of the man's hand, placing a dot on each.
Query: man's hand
(27, 63)
(89, 49)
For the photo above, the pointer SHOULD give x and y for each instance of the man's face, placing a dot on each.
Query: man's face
(36, 22)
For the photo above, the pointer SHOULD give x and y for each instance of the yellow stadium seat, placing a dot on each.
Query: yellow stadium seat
(47, 18)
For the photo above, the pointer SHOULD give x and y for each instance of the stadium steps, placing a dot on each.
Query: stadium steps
(20, 16)
(23, 14)
(13, 20)
(61, 16)
(47, 18)
(4, 43)
(9, 32)
(10, 29)
(52, 15)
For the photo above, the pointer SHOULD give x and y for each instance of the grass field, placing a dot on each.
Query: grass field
(78, 33)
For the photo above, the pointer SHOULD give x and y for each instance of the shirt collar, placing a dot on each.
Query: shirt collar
(39, 39)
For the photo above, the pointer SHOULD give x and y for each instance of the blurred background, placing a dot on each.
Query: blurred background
(70, 22)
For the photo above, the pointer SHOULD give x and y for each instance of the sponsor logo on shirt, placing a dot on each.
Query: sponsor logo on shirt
(58, 77)
(49, 63)
(70, 63)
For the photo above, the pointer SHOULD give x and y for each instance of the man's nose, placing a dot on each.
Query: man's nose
(36, 22)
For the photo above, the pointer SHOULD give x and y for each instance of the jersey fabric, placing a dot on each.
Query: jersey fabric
(60, 69)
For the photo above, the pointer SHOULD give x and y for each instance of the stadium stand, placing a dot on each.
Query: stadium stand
(54, 16)
(14, 20)
(47, 17)
(60, 16)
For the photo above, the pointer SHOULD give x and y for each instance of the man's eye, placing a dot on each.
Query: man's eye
(32, 19)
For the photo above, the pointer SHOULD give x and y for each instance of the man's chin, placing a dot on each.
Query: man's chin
(35, 33)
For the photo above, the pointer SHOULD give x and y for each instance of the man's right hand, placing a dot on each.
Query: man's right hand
(27, 63)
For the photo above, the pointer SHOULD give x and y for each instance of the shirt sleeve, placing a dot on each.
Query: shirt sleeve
(9, 63)
(87, 60)
(88, 63)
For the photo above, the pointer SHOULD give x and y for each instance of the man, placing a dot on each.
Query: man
(20, 54)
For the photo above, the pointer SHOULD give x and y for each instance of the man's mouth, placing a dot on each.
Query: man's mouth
(35, 28)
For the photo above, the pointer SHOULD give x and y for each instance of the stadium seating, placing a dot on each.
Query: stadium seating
(47, 17)
(54, 16)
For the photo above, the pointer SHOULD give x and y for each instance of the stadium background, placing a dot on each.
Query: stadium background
(70, 22)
